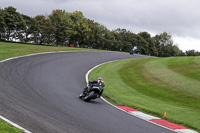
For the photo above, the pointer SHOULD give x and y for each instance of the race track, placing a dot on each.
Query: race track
(40, 93)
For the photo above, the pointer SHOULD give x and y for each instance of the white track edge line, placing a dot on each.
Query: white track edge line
(14, 124)
(86, 77)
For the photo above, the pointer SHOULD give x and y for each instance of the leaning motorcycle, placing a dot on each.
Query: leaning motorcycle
(91, 93)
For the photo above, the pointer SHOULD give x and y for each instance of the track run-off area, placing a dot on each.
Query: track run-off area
(40, 93)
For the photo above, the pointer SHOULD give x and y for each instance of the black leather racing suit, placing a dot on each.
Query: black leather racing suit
(97, 83)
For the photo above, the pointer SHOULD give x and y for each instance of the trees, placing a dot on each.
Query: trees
(81, 30)
(30, 28)
(151, 44)
(2, 23)
(49, 31)
(141, 43)
(40, 31)
(176, 51)
(165, 46)
(92, 34)
(102, 37)
(14, 23)
(123, 38)
(63, 28)
(192, 53)
(98, 36)
(44, 31)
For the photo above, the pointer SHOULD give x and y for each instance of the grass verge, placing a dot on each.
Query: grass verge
(155, 86)
(7, 128)
(8, 50)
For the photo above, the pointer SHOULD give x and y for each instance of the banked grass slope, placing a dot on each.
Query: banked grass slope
(155, 86)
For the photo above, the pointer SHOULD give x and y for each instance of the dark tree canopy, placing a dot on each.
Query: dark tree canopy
(61, 28)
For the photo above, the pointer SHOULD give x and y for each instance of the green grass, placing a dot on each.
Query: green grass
(7, 128)
(8, 50)
(155, 86)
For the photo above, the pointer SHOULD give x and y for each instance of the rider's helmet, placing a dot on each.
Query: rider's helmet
(100, 78)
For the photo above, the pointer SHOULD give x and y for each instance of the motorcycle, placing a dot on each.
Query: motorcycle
(131, 52)
(91, 92)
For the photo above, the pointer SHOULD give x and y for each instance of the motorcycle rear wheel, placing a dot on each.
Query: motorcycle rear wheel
(90, 96)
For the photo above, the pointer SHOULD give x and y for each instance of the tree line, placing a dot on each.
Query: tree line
(62, 28)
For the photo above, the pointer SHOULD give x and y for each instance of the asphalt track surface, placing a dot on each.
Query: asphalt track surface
(40, 93)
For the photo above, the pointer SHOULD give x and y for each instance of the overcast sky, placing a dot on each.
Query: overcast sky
(180, 18)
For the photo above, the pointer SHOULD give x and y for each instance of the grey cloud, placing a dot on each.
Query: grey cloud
(179, 17)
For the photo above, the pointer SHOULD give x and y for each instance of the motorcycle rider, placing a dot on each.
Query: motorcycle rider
(131, 51)
(99, 83)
